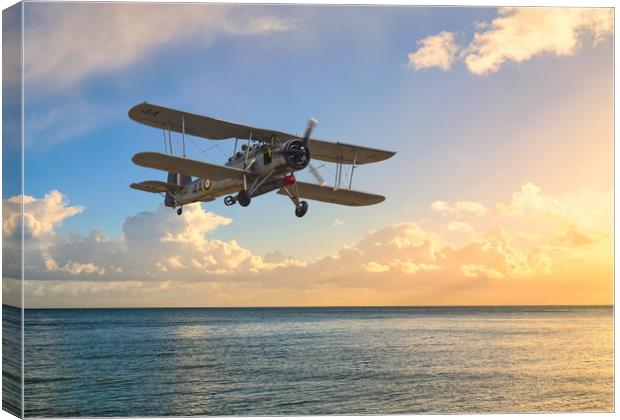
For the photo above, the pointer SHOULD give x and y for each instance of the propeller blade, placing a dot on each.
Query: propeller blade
(316, 175)
(310, 127)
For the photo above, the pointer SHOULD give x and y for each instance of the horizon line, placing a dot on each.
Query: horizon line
(316, 306)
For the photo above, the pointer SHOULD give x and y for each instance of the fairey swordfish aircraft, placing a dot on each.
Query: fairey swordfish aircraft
(266, 162)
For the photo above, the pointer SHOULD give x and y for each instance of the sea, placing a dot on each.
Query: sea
(300, 361)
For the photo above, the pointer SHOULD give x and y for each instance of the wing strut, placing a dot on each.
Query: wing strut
(170, 139)
(245, 161)
(339, 164)
(352, 168)
(183, 132)
(163, 130)
(338, 173)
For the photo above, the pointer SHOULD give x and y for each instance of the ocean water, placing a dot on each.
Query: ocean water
(149, 362)
(12, 360)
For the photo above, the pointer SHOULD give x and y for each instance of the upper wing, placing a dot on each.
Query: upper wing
(329, 195)
(185, 166)
(198, 125)
(214, 129)
(346, 153)
(155, 187)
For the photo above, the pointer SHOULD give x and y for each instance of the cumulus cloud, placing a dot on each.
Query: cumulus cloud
(373, 267)
(154, 245)
(578, 218)
(459, 208)
(163, 259)
(455, 226)
(519, 34)
(475, 270)
(434, 51)
(40, 215)
(65, 43)
(411, 267)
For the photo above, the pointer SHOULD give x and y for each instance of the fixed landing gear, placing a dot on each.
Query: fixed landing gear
(302, 209)
(180, 211)
(230, 200)
(244, 198)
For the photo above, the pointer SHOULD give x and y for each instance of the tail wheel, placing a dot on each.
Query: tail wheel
(180, 211)
(244, 198)
(302, 209)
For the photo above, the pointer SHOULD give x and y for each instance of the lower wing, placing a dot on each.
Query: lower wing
(185, 166)
(329, 195)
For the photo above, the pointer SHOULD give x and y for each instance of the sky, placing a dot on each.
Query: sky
(500, 192)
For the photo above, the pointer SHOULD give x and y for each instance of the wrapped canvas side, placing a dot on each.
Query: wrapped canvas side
(12, 211)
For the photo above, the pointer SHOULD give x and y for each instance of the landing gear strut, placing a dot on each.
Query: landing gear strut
(302, 209)
(180, 211)
(244, 198)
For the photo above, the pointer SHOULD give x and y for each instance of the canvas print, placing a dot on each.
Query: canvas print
(250, 210)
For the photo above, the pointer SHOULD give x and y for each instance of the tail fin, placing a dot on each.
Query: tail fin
(176, 179)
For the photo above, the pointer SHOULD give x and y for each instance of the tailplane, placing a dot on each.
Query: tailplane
(176, 179)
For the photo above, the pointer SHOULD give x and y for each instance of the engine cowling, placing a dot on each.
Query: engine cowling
(297, 154)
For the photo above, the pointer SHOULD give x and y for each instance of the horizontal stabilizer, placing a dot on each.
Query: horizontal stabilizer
(329, 195)
(155, 187)
(186, 166)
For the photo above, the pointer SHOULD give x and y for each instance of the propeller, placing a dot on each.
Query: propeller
(315, 173)
(312, 122)
(297, 151)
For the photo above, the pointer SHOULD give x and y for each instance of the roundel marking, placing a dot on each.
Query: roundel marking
(206, 184)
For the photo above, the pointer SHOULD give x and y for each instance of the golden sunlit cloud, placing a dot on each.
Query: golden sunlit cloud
(434, 51)
(459, 208)
(544, 250)
(517, 35)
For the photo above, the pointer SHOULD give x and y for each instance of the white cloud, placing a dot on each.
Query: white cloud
(77, 268)
(411, 267)
(434, 51)
(442, 207)
(154, 245)
(518, 34)
(166, 259)
(580, 219)
(475, 270)
(374, 267)
(66, 42)
(472, 207)
(455, 226)
(40, 215)
(459, 208)
(337, 223)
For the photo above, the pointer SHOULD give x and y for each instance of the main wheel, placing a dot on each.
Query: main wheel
(302, 209)
(244, 198)
(180, 210)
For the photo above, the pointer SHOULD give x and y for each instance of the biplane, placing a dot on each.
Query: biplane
(266, 161)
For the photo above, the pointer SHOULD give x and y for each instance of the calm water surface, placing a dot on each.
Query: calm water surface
(147, 362)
